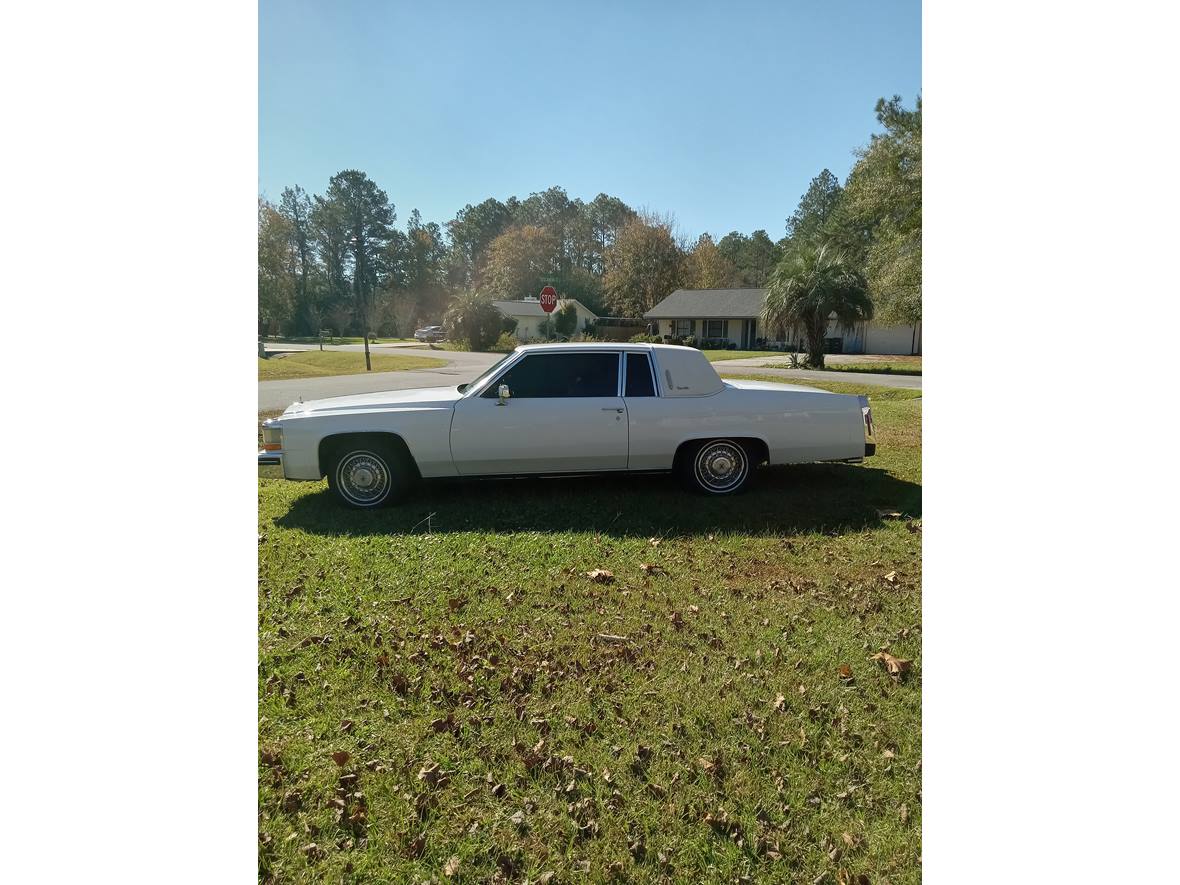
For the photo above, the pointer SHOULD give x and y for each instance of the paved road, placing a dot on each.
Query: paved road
(463, 366)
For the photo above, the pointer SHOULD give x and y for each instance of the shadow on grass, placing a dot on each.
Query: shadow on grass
(834, 498)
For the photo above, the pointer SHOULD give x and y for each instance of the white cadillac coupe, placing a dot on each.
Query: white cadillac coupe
(559, 409)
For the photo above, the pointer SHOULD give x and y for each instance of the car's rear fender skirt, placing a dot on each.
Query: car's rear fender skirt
(334, 443)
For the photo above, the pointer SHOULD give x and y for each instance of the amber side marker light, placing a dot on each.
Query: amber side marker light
(272, 438)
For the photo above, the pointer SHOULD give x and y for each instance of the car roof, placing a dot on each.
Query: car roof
(600, 345)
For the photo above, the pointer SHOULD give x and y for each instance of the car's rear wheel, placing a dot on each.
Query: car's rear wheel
(367, 475)
(716, 467)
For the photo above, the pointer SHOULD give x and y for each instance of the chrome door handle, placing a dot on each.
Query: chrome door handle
(611, 409)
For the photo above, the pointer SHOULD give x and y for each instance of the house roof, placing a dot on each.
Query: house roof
(531, 307)
(709, 304)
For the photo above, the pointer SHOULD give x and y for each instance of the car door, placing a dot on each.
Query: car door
(564, 414)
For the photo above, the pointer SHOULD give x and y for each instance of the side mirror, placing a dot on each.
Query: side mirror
(505, 393)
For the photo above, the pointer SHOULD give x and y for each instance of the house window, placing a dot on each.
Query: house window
(682, 328)
(716, 329)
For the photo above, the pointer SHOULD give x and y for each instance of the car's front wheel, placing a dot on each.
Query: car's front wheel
(716, 467)
(367, 475)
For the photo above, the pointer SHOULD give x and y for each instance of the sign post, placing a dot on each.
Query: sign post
(548, 299)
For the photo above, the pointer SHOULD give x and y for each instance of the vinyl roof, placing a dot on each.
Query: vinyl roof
(709, 304)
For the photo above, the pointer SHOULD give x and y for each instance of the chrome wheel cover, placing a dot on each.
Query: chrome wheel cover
(363, 478)
(720, 466)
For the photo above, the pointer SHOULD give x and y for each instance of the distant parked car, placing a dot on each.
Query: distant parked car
(429, 333)
(566, 408)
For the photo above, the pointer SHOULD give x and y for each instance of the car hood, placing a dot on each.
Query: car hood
(415, 398)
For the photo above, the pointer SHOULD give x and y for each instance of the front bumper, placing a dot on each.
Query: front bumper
(270, 465)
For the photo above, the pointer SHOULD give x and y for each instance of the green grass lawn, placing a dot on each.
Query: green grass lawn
(356, 339)
(315, 363)
(886, 365)
(712, 712)
(718, 355)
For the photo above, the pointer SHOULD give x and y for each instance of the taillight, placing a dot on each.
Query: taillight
(866, 412)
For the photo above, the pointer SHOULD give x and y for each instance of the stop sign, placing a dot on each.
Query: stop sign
(548, 299)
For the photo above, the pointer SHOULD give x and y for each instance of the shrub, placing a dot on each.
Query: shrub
(641, 338)
(506, 343)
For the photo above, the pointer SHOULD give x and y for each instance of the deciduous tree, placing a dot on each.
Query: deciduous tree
(706, 268)
(517, 260)
(643, 266)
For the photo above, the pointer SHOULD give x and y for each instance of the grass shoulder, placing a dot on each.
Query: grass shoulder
(316, 363)
(870, 363)
(715, 356)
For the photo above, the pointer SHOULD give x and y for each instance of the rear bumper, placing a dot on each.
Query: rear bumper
(870, 449)
(270, 465)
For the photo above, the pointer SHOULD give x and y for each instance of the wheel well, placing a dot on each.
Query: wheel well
(756, 449)
(330, 445)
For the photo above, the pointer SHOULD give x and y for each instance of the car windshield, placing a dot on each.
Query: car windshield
(484, 375)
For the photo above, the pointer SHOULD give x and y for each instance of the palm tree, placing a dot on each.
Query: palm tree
(472, 316)
(808, 286)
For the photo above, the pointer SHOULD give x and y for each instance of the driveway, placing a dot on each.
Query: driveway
(461, 367)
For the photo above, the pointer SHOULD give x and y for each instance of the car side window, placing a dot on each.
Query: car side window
(639, 381)
(558, 375)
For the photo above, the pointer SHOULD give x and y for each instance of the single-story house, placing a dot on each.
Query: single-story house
(529, 316)
(735, 316)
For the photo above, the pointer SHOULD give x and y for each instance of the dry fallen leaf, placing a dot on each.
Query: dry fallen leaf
(888, 514)
(891, 577)
(313, 852)
(655, 542)
(845, 673)
(895, 667)
(649, 569)
(780, 702)
(451, 867)
(611, 639)
(340, 757)
(601, 576)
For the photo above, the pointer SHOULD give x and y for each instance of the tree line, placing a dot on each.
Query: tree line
(339, 259)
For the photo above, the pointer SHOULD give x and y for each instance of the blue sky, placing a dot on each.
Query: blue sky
(719, 113)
